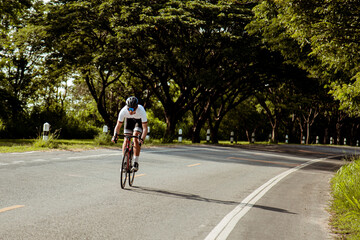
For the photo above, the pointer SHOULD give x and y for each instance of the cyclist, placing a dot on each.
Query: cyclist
(134, 116)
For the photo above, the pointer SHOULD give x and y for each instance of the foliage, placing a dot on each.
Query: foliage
(319, 36)
(245, 120)
(346, 204)
(11, 12)
(157, 126)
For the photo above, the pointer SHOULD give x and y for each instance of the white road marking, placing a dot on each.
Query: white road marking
(184, 150)
(39, 160)
(193, 165)
(275, 155)
(57, 158)
(93, 156)
(167, 150)
(228, 223)
(17, 162)
(18, 153)
(11, 208)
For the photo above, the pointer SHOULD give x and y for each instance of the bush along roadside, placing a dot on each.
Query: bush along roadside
(345, 206)
(50, 142)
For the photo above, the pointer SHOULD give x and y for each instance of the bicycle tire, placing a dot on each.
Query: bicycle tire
(131, 172)
(124, 169)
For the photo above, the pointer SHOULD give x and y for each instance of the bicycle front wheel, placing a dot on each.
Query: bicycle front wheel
(124, 169)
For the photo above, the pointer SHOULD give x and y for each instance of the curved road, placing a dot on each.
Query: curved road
(182, 192)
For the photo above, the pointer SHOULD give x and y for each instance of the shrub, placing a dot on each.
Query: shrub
(50, 142)
(102, 139)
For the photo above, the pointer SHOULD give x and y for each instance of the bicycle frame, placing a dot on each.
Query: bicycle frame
(126, 166)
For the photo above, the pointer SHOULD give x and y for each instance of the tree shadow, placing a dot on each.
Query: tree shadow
(331, 161)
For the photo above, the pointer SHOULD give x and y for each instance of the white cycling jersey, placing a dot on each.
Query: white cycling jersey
(140, 114)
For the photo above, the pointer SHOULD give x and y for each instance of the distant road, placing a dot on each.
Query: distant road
(183, 192)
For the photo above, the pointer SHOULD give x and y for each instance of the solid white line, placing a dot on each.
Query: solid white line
(19, 153)
(275, 155)
(39, 160)
(183, 150)
(167, 150)
(93, 156)
(17, 162)
(228, 223)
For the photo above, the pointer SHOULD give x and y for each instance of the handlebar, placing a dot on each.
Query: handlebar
(128, 137)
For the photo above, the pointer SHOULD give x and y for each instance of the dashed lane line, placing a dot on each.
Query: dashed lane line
(193, 165)
(11, 208)
(140, 175)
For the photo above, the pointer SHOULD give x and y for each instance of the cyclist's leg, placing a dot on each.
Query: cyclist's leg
(136, 144)
(137, 131)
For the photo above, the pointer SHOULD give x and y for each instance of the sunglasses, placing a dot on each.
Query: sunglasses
(131, 109)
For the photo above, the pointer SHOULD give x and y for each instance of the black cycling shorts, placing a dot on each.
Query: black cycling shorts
(131, 125)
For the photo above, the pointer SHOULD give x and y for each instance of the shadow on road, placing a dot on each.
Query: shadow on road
(188, 196)
(274, 209)
(332, 157)
(166, 193)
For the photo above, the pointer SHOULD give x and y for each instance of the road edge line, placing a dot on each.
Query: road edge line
(228, 223)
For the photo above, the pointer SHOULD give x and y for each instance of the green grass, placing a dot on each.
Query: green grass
(346, 201)
(26, 145)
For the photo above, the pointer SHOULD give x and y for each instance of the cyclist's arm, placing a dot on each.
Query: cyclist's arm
(117, 127)
(145, 130)
(116, 130)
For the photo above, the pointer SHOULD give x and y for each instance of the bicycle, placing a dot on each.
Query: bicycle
(126, 171)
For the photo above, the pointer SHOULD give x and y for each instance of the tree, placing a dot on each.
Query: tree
(79, 38)
(177, 47)
(19, 67)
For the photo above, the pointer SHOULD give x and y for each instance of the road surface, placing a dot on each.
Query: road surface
(182, 192)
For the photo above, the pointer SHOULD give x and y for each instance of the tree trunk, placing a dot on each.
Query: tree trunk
(199, 121)
(215, 132)
(169, 135)
(275, 133)
(307, 132)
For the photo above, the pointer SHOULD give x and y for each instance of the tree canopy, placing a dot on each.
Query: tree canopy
(192, 62)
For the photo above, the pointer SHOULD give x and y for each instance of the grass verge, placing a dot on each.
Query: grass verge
(103, 141)
(26, 145)
(345, 206)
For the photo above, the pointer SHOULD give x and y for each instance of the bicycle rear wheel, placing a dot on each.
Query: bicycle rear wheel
(124, 169)
(131, 172)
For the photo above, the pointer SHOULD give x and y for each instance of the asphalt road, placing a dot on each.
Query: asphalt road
(183, 192)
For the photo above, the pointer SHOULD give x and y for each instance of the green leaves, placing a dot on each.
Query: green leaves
(319, 36)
